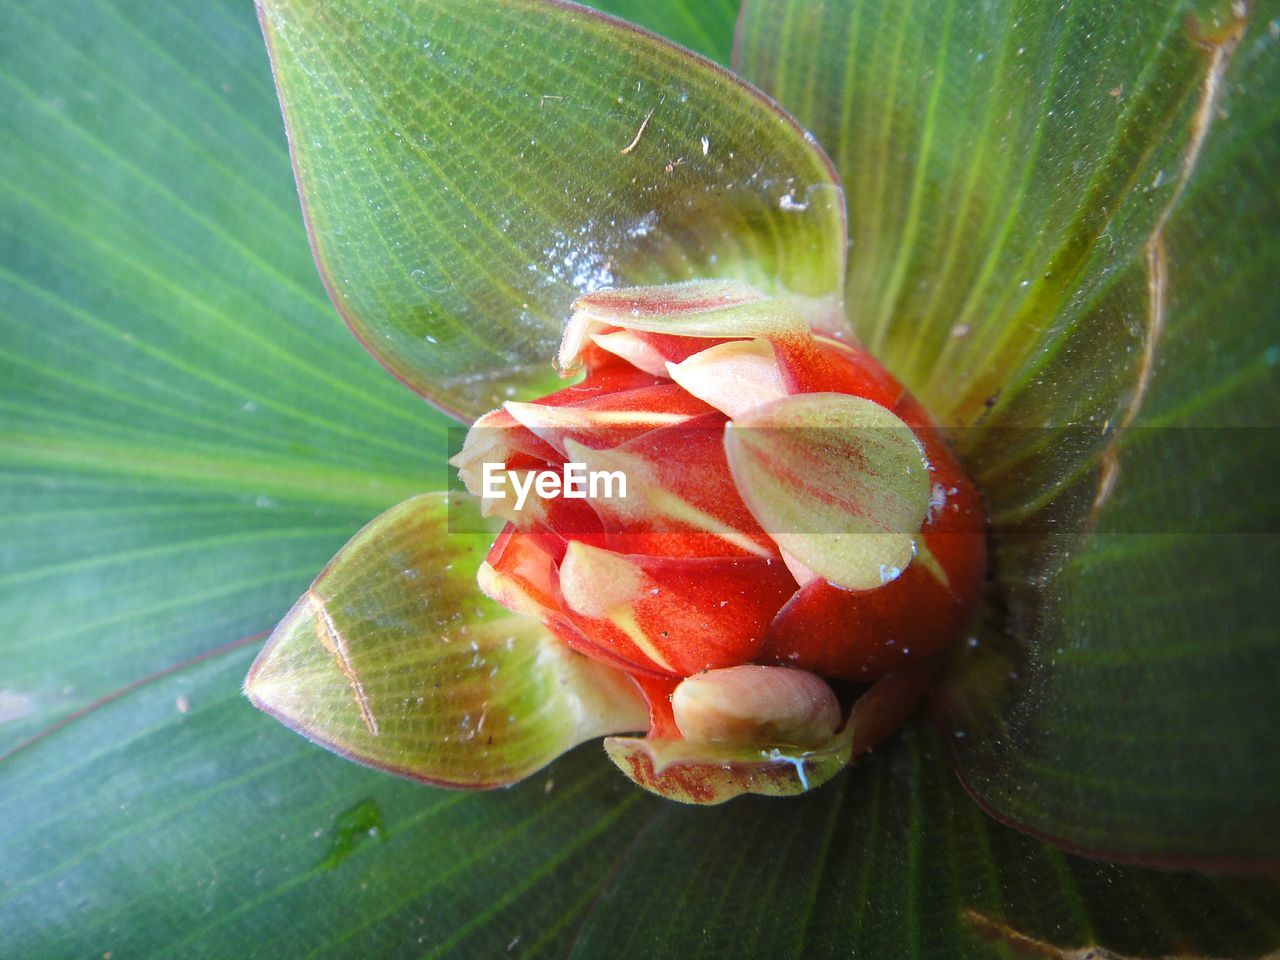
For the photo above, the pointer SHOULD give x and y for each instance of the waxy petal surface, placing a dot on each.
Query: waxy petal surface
(677, 615)
(839, 482)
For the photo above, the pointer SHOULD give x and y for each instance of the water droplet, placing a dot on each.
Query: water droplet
(352, 828)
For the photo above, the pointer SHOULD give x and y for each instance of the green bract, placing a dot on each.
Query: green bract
(1063, 236)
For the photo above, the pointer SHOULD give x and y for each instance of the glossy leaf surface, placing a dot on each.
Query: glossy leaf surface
(150, 242)
(252, 836)
(705, 27)
(186, 431)
(394, 658)
(1063, 225)
(469, 169)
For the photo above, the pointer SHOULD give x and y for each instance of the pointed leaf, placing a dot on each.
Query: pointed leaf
(464, 187)
(677, 615)
(393, 658)
(174, 819)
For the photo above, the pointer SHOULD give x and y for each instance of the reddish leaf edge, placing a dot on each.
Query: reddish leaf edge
(128, 688)
(739, 27)
(346, 754)
(1172, 863)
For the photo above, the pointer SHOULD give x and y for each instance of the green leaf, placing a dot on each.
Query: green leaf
(155, 280)
(470, 169)
(999, 166)
(705, 27)
(251, 836)
(394, 658)
(187, 431)
(1063, 231)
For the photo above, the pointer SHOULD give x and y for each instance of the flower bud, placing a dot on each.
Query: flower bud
(722, 495)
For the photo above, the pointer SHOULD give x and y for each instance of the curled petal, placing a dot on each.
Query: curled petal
(840, 483)
(824, 365)
(710, 773)
(861, 634)
(633, 349)
(698, 308)
(752, 704)
(681, 500)
(611, 419)
(733, 377)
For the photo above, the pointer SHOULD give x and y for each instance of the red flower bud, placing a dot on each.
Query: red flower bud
(787, 505)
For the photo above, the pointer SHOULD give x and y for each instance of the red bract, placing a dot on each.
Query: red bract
(788, 506)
